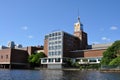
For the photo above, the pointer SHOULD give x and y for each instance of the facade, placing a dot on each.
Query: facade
(16, 57)
(60, 46)
(79, 32)
(13, 58)
(57, 48)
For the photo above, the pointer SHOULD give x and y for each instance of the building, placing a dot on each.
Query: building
(16, 57)
(57, 47)
(13, 58)
(11, 44)
(60, 46)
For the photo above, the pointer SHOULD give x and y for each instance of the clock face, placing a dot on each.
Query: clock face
(77, 27)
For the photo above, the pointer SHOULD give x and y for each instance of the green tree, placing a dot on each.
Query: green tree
(115, 61)
(34, 59)
(110, 55)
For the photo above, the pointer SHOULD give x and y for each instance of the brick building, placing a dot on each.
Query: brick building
(16, 57)
(59, 46)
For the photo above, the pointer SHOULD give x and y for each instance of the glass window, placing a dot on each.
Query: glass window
(59, 47)
(59, 52)
(55, 38)
(50, 60)
(52, 53)
(92, 60)
(59, 33)
(50, 43)
(55, 42)
(49, 39)
(46, 37)
(55, 34)
(50, 35)
(57, 59)
(44, 60)
(49, 53)
(55, 53)
(6, 56)
(1, 56)
(55, 47)
(49, 48)
(59, 42)
(59, 37)
(52, 38)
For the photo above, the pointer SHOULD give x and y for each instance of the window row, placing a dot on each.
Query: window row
(52, 60)
(4, 57)
(55, 47)
(55, 42)
(55, 38)
(55, 34)
(57, 53)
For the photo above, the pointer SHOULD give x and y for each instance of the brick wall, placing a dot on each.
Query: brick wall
(94, 53)
(46, 47)
(19, 56)
(5, 55)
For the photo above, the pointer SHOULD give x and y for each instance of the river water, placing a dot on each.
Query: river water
(57, 75)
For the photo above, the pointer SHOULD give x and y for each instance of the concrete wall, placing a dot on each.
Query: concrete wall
(54, 66)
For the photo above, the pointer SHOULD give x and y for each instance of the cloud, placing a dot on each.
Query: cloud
(113, 28)
(105, 39)
(95, 42)
(25, 28)
(30, 36)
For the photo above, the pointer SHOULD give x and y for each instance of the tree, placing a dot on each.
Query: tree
(115, 61)
(34, 59)
(110, 55)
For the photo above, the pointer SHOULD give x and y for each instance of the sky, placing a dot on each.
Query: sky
(26, 22)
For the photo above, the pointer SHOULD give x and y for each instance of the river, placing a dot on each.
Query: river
(57, 75)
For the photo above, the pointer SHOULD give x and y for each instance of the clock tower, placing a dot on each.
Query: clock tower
(78, 32)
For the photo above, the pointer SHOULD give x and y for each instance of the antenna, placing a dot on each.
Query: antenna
(78, 15)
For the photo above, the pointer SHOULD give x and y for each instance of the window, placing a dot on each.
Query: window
(50, 35)
(55, 34)
(44, 60)
(59, 42)
(59, 52)
(55, 38)
(49, 53)
(59, 37)
(6, 56)
(52, 53)
(59, 47)
(52, 38)
(1, 56)
(50, 48)
(51, 60)
(57, 59)
(55, 53)
(55, 42)
(49, 39)
(46, 37)
(50, 43)
(59, 33)
(55, 47)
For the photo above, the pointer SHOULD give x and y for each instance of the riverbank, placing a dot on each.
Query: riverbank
(110, 70)
(77, 69)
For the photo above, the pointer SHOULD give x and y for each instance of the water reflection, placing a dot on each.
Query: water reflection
(56, 75)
